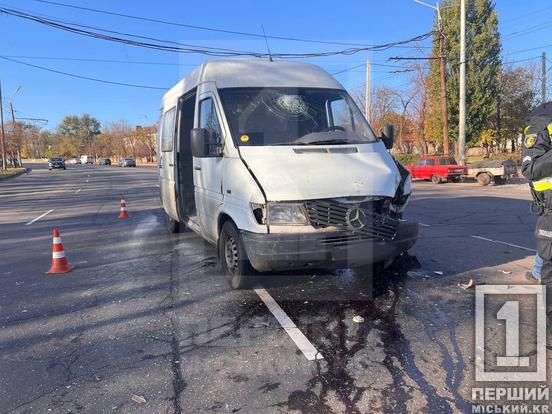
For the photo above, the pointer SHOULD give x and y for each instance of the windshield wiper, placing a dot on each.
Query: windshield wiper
(328, 142)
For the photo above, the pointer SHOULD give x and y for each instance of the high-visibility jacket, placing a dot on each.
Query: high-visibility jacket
(537, 163)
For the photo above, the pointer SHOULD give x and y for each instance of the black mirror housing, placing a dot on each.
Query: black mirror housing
(200, 142)
(388, 136)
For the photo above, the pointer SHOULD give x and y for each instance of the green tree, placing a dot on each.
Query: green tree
(483, 66)
(78, 133)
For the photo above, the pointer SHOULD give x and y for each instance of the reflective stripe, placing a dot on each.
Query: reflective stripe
(57, 240)
(123, 209)
(543, 185)
(58, 255)
(549, 128)
(526, 129)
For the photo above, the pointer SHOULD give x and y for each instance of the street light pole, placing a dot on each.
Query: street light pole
(368, 92)
(462, 109)
(3, 136)
(443, 78)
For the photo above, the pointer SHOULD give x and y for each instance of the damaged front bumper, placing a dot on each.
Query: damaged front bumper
(277, 251)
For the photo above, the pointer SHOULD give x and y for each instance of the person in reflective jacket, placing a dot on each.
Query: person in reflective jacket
(537, 168)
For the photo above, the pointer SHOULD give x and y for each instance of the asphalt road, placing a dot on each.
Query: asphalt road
(148, 313)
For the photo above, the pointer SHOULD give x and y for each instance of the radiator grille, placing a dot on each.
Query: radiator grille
(376, 224)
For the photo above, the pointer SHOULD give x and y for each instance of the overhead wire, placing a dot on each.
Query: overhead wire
(171, 46)
(73, 75)
(198, 27)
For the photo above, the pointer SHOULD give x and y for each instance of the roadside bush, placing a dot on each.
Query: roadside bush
(406, 159)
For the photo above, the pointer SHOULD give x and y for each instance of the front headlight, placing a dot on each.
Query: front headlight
(287, 213)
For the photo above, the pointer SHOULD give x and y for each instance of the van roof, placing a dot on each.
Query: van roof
(243, 73)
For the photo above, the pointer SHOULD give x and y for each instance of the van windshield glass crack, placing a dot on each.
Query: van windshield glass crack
(294, 116)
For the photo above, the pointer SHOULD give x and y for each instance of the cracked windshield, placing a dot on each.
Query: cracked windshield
(272, 208)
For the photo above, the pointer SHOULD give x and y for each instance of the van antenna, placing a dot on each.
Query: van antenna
(267, 47)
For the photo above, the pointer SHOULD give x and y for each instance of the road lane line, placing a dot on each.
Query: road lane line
(39, 217)
(304, 345)
(507, 244)
(78, 191)
(424, 225)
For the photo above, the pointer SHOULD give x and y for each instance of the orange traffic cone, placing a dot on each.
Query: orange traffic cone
(59, 261)
(124, 212)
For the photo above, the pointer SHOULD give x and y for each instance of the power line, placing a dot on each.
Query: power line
(132, 85)
(176, 47)
(197, 27)
(132, 62)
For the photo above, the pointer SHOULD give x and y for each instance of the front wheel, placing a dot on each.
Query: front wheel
(233, 257)
(436, 179)
(174, 225)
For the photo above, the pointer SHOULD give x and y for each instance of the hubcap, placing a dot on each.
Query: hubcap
(231, 254)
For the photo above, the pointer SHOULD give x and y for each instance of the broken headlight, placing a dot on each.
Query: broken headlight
(286, 213)
(398, 204)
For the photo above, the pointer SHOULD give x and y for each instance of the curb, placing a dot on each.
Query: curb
(27, 171)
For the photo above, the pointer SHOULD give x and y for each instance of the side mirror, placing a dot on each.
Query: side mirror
(200, 142)
(388, 136)
(202, 145)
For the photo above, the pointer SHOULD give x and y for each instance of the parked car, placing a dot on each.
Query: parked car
(104, 161)
(496, 171)
(437, 169)
(56, 163)
(127, 162)
(75, 161)
(298, 180)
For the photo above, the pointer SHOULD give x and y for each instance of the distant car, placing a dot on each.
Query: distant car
(104, 161)
(87, 159)
(437, 169)
(75, 161)
(127, 162)
(56, 163)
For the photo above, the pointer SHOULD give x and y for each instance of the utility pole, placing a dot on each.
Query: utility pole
(3, 136)
(443, 80)
(543, 77)
(16, 135)
(368, 92)
(444, 112)
(462, 109)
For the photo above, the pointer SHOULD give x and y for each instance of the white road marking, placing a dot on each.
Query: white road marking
(507, 244)
(157, 185)
(424, 225)
(78, 191)
(292, 330)
(86, 180)
(39, 217)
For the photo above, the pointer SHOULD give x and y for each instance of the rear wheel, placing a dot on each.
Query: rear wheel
(233, 257)
(436, 179)
(484, 179)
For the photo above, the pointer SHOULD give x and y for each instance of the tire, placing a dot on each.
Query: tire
(233, 257)
(173, 225)
(484, 179)
(436, 179)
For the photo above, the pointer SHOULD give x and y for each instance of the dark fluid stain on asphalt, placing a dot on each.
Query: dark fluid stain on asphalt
(339, 344)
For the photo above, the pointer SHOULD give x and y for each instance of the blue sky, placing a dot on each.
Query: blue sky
(51, 96)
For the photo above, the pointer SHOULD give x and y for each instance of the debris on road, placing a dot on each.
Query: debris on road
(138, 399)
(438, 272)
(468, 285)
(358, 319)
(506, 272)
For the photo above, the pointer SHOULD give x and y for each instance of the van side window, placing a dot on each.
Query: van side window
(430, 162)
(208, 119)
(167, 130)
(420, 162)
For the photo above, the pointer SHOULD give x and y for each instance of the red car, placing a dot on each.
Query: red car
(437, 169)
